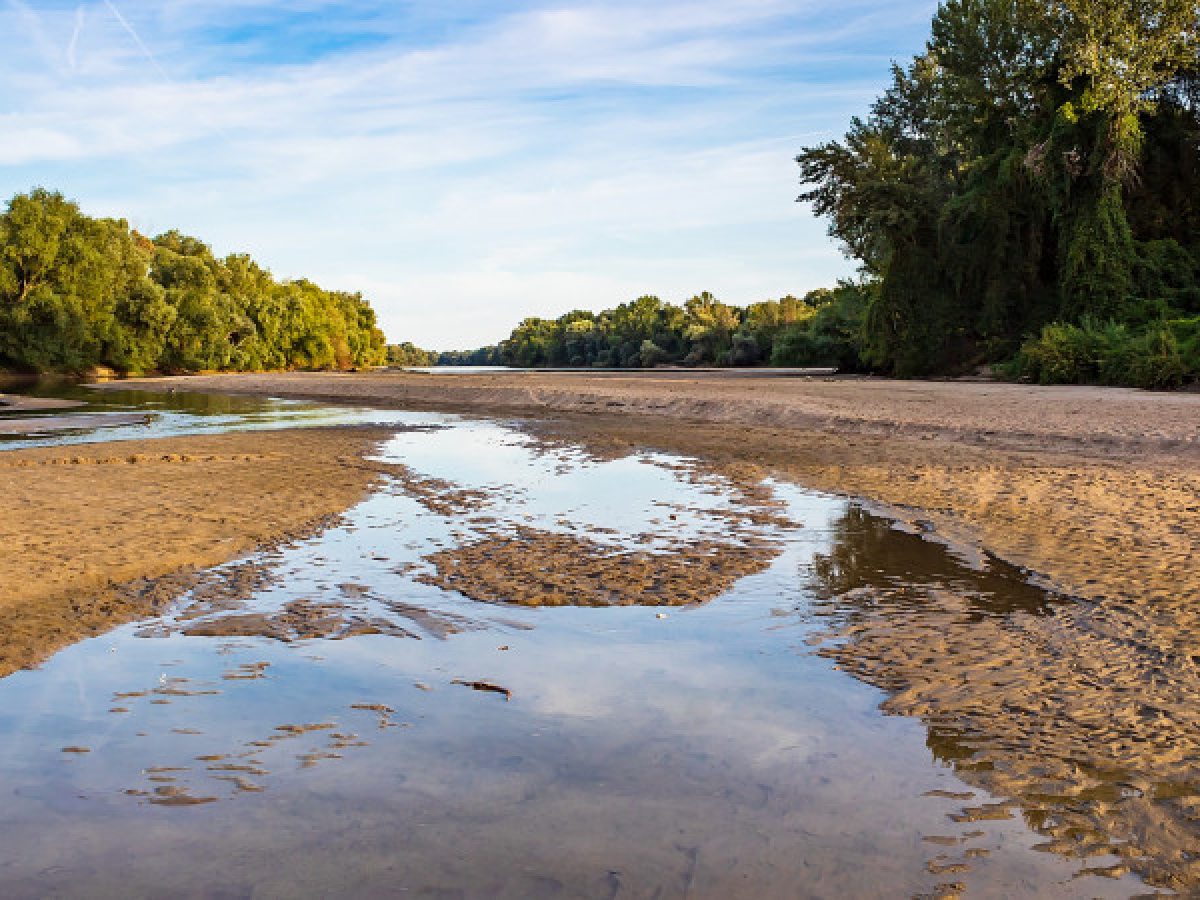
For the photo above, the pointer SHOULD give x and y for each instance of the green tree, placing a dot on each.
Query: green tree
(1025, 167)
(77, 292)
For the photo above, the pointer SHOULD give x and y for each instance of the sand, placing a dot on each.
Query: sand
(20, 403)
(78, 422)
(1094, 491)
(98, 534)
(1084, 714)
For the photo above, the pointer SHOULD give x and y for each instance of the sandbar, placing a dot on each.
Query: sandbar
(19, 403)
(1094, 491)
(79, 422)
(98, 534)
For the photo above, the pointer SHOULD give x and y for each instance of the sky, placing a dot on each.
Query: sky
(464, 164)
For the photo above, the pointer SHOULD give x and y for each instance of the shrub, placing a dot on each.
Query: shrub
(1064, 354)
(1160, 356)
(651, 354)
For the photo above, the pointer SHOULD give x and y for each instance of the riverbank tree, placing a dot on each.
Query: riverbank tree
(820, 329)
(78, 292)
(1036, 167)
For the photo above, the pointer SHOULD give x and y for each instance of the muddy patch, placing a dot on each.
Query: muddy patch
(543, 568)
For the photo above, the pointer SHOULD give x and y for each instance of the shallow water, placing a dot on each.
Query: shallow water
(163, 414)
(320, 720)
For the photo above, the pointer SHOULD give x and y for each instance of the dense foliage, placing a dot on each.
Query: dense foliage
(1158, 356)
(409, 354)
(78, 292)
(1038, 165)
(819, 330)
(483, 356)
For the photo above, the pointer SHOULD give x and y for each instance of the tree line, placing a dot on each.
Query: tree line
(1028, 190)
(819, 329)
(78, 292)
(1025, 194)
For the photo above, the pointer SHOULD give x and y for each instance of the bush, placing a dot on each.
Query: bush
(831, 337)
(799, 346)
(744, 351)
(1064, 354)
(1154, 360)
(1187, 336)
(651, 354)
(1163, 355)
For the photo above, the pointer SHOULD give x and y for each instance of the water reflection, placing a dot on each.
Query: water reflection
(868, 553)
(1084, 716)
(115, 414)
(331, 718)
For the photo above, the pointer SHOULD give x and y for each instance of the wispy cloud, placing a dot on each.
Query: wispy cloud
(29, 26)
(72, 45)
(136, 39)
(482, 159)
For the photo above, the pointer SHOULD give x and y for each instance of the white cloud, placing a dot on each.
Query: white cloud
(465, 167)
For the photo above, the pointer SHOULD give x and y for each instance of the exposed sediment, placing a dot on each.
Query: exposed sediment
(99, 534)
(20, 403)
(1095, 489)
(1085, 715)
(1079, 711)
(531, 567)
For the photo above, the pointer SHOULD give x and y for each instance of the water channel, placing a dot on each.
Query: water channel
(360, 713)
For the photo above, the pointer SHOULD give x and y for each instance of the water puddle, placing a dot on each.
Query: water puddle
(517, 670)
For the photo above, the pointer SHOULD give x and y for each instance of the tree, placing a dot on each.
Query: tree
(76, 292)
(1020, 170)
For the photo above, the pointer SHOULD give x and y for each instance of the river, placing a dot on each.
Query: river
(367, 712)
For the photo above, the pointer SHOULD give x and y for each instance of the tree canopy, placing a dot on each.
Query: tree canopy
(820, 329)
(1038, 164)
(78, 292)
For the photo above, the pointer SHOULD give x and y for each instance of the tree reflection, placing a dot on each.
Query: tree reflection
(868, 551)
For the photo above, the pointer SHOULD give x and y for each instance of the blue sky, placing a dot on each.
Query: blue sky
(463, 163)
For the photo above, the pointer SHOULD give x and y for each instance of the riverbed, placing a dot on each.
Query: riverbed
(526, 665)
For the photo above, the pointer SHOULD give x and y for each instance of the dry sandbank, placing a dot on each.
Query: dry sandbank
(87, 529)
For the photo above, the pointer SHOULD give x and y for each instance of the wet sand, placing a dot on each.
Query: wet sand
(99, 534)
(1096, 491)
(1084, 714)
(80, 422)
(19, 403)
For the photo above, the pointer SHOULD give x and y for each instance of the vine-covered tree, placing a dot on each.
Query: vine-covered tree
(1037, 163)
